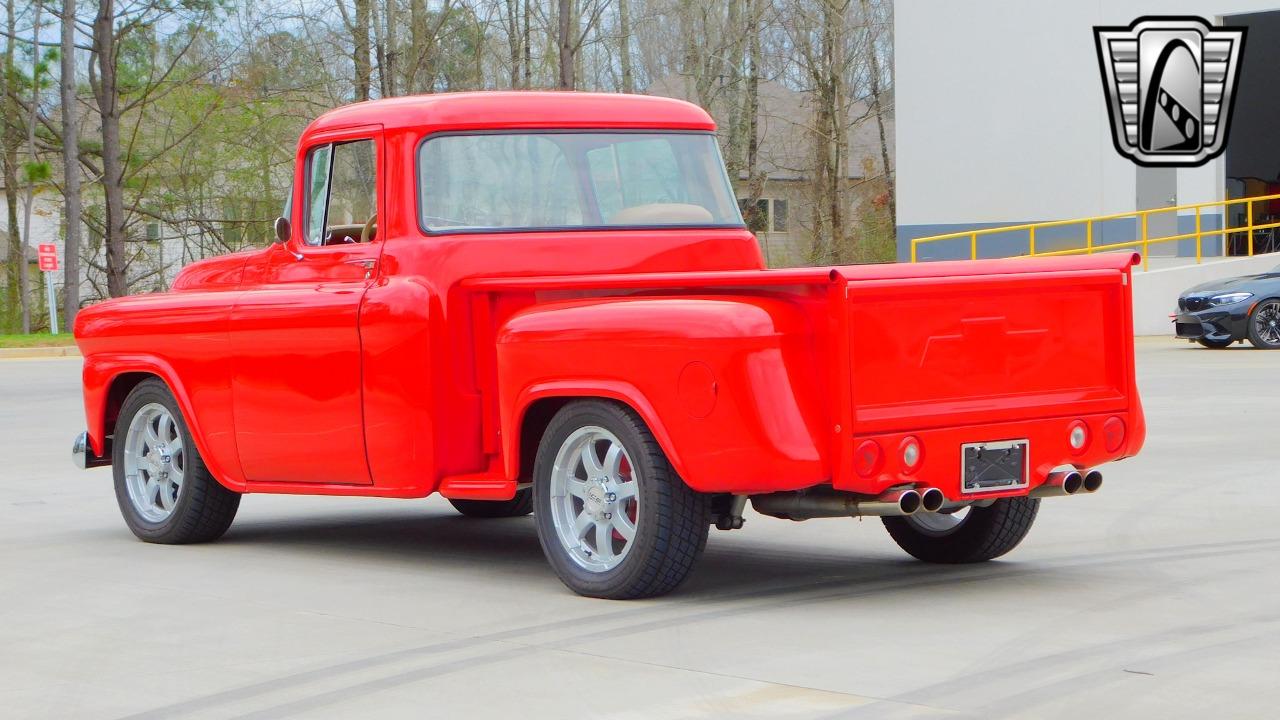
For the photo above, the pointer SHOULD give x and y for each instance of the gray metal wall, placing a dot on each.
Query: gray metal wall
(1001, 116)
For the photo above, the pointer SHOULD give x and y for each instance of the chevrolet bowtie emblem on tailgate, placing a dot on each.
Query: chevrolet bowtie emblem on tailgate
(1169, 84)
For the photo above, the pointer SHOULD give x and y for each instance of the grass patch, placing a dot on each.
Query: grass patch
(37, 340)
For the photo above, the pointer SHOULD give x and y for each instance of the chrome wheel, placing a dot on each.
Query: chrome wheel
(594, 498)
(154, 462)
(1266, 323)
(937, 524)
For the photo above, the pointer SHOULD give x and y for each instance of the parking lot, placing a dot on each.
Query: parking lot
(1156, 597)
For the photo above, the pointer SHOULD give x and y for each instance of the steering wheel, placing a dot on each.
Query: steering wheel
(370, 230)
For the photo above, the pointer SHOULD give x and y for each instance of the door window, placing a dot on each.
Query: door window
(342, 194)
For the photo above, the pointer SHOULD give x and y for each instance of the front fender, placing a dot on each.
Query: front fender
(729, 385)
(102, 370)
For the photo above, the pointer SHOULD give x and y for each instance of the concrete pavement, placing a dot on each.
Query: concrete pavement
(1155, 598)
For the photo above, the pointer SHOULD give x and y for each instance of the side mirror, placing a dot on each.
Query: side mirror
(282, 229)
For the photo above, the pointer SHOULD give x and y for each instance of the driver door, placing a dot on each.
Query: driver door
(296, 373)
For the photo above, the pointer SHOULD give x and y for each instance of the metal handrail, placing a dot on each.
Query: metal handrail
(1144, 241)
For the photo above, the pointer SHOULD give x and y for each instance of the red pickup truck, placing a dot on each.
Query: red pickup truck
(548, 303)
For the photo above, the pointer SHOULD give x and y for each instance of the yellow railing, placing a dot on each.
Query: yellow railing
(1143, 240)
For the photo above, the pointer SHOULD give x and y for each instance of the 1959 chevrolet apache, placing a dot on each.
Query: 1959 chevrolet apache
(548, 303)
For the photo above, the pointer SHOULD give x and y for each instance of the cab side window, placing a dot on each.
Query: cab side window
(341, 192)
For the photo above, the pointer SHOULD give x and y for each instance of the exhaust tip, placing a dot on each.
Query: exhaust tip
(1092, 481)
(931, 500)
(1072, 483)
(909, 502)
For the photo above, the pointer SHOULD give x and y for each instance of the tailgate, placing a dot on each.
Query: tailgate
(951, 350)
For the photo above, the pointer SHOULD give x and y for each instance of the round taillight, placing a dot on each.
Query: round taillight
(868, 458)
(1078, 436)
(1113, 433)
(912, 454)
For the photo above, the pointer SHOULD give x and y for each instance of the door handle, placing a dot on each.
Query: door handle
(366, 263)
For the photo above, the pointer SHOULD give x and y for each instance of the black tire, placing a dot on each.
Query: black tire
(984, 534)
(1215, 344)
(521, 504)
(204, 508)
(671, 525)
(1265, 316)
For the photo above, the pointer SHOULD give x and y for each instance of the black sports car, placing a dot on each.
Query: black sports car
(1218, 313)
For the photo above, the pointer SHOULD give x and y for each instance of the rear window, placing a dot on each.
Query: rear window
(573, 180)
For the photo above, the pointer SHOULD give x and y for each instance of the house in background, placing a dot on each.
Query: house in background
(786, 159)
(158, 253)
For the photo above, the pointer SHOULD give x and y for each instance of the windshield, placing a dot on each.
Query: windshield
(568, 180)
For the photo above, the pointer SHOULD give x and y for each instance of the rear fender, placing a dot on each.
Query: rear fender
(729, 385)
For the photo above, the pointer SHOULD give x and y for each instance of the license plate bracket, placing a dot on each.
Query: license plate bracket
(994, 466)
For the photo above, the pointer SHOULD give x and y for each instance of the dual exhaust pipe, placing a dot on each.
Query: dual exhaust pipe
(825, 501)
(1069, 482)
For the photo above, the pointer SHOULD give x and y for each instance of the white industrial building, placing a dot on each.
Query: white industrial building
(1002, 119)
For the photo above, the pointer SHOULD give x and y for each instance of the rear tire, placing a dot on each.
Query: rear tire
(1264, 325)
(983, 534)
(619, 524)
(521, 504)
(165, 492)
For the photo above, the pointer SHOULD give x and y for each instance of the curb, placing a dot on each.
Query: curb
(39, 352)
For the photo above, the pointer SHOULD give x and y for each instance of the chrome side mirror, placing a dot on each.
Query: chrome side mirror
(282, 229)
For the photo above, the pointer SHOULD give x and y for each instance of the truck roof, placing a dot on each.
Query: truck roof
(519, 110)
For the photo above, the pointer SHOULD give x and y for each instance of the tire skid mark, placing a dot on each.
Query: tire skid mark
(1010, 676)
(767, 599)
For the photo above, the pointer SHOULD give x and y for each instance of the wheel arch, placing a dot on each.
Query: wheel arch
(1253, 309)
(539, 403)
(108, 380)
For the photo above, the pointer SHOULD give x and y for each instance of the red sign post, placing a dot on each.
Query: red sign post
(47, 255)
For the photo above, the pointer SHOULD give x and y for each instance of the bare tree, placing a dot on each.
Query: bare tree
(32, 165)
(360, 51)
(150, 77)
(818, 69)
(70, 168)
(624, 46)
(107, 95)
(571, 34)
(515, 41)
(565, 43)
(10, 139)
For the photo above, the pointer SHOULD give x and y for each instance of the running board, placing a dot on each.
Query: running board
(477, 487)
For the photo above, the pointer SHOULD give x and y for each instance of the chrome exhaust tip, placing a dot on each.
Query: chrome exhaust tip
(1092, 481)
(1059, 484)
(932, 500)
(909, 502)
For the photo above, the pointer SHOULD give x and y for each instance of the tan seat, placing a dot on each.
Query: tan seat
(662, 214)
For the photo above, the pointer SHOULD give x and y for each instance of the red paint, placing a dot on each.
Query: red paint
(306, 376)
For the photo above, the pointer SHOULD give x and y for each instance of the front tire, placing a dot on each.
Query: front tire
(165, 492)
(972, 534)
(613, 518)
(1264, 325)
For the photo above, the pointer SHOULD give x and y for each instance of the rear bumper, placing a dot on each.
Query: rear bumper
(1110, 437)
(82, 453)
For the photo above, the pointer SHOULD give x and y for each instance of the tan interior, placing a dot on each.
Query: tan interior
(662, 214)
